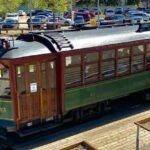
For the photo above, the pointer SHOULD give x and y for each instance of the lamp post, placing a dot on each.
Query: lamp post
(71, 10)
(30, 4)
(98, 9)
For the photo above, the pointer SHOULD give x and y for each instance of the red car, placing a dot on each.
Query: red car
(53, 23)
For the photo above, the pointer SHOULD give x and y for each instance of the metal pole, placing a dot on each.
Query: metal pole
(71, 11)
(31, 27)
(98, 8)
(137, 138)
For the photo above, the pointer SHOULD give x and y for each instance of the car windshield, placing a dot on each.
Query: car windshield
(109, 11)
(11, 15)
(79, 20)
(36, 20)
(4, 81)
(53, 20)
(10, 21)
(119, 17)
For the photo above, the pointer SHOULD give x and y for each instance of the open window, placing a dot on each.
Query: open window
(137, 58)
(72, 71)
(108, 64)
(91, 69)
(147, 57)
(4, 81)
(123, 62)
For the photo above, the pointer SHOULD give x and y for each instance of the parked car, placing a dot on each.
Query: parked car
(36, 23)
(109, 12)
(135, 18)
(109, 21)
(12, 16)
(121, 18)
(146, 17)
(85, 15)
(98, 21)
(79, 21)
(10, 23)
(147, 10)
(66, 21)
(53, 23)
(43, 18)
(96, 11)
(119, 10)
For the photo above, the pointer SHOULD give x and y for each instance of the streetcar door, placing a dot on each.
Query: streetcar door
(48, 90)
(28, 93)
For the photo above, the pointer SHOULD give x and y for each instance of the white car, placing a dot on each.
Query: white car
(145, 16)
(66, 21)
(109, 12)
(21, 13)
(135, 19)
(14, 16)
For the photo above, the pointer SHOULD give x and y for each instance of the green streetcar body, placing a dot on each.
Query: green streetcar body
(106, 90)
(6, 110)
(6, 113)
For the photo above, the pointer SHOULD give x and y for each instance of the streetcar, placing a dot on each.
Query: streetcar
(48, 78)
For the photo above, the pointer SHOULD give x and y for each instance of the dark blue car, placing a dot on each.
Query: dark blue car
(11, 23)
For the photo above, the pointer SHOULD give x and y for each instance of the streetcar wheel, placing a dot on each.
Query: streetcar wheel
(4, 145)
(4, 142)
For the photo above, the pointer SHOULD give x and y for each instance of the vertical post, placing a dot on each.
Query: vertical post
(137, 138)
(98, 9)
(71, 10)
(31, 27)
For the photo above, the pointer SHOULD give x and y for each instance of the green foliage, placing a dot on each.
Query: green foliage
(54, 5)
(57, 5)
(133, 2)
(9, 5)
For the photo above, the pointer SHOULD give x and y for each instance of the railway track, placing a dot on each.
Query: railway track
(115, 131)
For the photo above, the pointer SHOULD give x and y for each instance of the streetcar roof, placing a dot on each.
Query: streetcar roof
(101, 37)
(77, 39)
(25, 49)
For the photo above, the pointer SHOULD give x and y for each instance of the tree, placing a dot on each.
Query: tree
(55, 5)
(9, 5)
(133, 2)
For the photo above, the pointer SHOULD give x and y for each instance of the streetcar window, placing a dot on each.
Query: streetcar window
(122, 52)
(91, 57)
(72, 76)
(20, 79)
(91, 72)
(52, 70)
(123, 66)
(4, 82)
(72, 60)
(148, 47)
(108, 54)
(32, 71)
(138, 49)
(32, 68)
(137, 63)
(108, 69)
